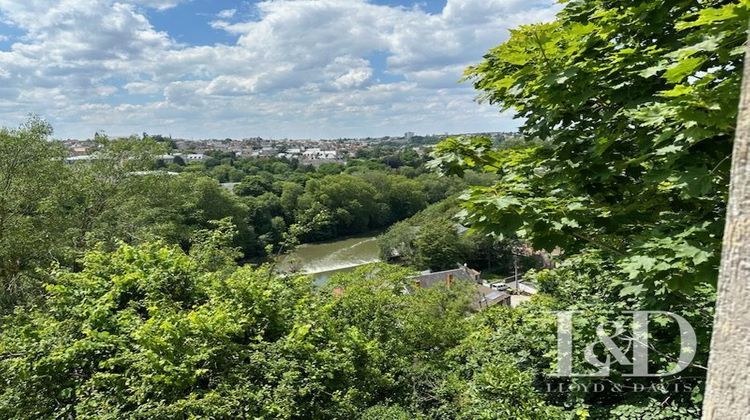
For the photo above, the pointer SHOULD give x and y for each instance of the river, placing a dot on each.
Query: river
(323, 259)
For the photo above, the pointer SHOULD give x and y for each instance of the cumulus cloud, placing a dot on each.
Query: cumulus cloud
(300, 68)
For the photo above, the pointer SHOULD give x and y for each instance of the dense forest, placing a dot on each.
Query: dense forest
(135, 289)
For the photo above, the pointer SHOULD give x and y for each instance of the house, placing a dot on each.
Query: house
(267, 151)
(485, 296)
(195, 157)
(310, 154)
(429, 279)
(317, 154)
(328, 154)
(80, 150)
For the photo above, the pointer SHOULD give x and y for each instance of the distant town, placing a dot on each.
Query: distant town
(306, 150)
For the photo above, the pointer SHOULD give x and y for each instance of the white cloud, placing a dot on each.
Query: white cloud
(158, 4)
(142, 88)
(226, 14)
(299, 68)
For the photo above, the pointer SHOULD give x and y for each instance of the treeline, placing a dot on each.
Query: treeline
(381, 185)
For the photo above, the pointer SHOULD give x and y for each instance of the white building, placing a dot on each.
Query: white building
(195, 157)
(317, 154)
(74, 159)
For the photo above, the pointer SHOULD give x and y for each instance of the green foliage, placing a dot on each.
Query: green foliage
(151, 332)
(439, 245)
(212, 248)
(635, 106)
(350, 200)
(632, 108)
(29, 171)
(403, 197)
(330, 200)
(49, 211)
(654, 409)
(433, 239)
(397, 243)
(324, 202)
(53, 211)
(254, 185)
(144, 332)
(380, 412)
(359, 203)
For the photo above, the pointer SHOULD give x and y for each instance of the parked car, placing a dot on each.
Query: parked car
(500, 287)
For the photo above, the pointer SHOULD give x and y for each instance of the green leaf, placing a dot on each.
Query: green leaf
(683, 69)
(678, 90)
(632, 290)
(668, 150)
(709, 16)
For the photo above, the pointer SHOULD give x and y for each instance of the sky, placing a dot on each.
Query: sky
(275, 68)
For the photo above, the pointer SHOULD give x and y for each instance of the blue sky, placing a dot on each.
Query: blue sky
(273, 68)
(190, 23)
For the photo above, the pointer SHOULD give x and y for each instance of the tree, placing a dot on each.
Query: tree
(290, 193)
(634, 149)
(330, 168)
(350, 200)
(438, 245)
(403, 196)
(146, 332)
(31, 223)
(178, 160)
(631, 108)
(254, 185)
(729, 363)
(398, 243)
(646, 143)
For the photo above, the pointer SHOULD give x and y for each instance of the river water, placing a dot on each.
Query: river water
(323, 259)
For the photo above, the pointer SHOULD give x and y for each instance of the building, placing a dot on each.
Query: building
(195, 157)
(76, 159)
(485, 296)
(317, 154)
(429, 278)
(80, 150)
